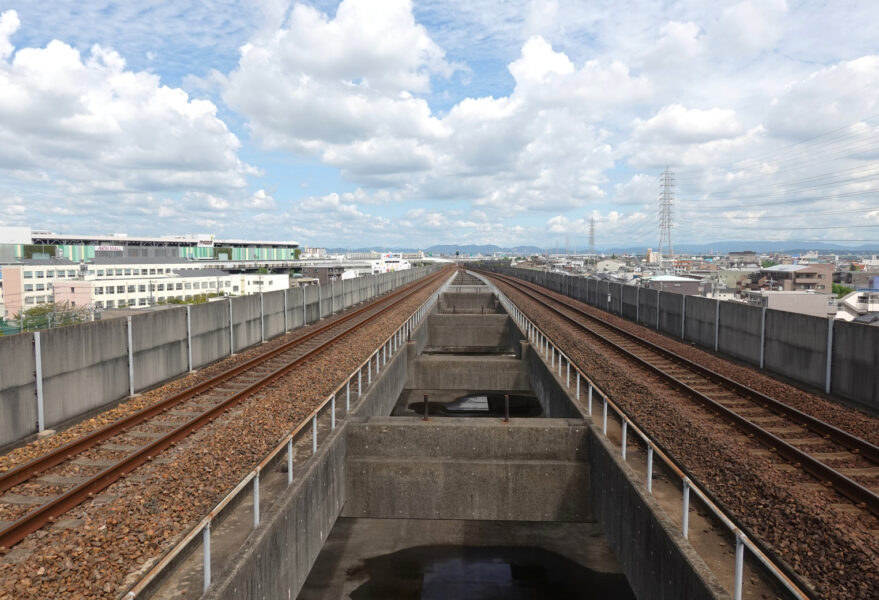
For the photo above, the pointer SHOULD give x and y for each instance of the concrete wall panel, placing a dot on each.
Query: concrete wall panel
(312, 303)
(469, 332)
(210, 332)
(160, 346)
(855, 367)
(647, 308)
(630, 302)
(84, 367)
(246, 325)
(671, 311)
(740, 331)
(701, 313)
(295, 316)
(616, 291)
(633, 521)
(18, 392)
(273, 306)
(796, 346)
(527, 470)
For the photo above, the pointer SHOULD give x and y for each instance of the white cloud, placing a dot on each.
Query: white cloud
(91, 128)
(677, 124)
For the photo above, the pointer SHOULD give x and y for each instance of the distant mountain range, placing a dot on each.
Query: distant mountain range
(705, 248)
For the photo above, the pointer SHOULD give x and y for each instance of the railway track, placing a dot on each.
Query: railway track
(846, 463)
(85, 466)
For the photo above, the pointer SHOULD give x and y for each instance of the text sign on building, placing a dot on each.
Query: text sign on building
(109, 248)
(205, 243)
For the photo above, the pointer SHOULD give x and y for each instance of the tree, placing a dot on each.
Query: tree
(768, 263)
(841, 290)
(296, 253)
(853, 267)
(263, 271)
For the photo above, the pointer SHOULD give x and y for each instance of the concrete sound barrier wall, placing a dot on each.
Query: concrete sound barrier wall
(647, 312)
(855, 363)
(210, 332)
(160, 346)
(739, 331)
(701, 321)
(671, 313)
(630, 301)
(796, 346)
(84, 367)
(18, 392)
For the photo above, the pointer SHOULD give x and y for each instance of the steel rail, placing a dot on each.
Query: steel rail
(859, 494)
(58, 455)
(60, 504)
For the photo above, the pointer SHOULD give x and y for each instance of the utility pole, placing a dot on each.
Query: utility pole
(666, 201)
(592, 238)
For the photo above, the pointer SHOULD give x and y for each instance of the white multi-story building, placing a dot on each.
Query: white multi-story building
(858, 303)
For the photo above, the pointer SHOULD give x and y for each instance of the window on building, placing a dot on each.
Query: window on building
(72, 290)
(28, 274)
(39, 274)
(229, 284)
(29, 300)
(161, 287)
(41, 287)
(141, 287)
(120, 289)
(188, 286)
(128, 271)
(142, 302)
(28, 287)
(204, 285)
(99, 304)
(50, 274)
(71, 273)
(152, 271)
(49, 286)
(188, 297)
(100, 272)
(179, 286)
(111, 303)
(235, 289)
(99, 291)
(131, 289)
(118, 272)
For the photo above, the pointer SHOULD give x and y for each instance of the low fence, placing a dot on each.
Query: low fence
(833, 356)
(51, 377)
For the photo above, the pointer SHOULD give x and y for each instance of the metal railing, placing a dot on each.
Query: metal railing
(374, 364)
(546, 348)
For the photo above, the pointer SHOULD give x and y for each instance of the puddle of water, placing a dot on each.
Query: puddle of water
(482, 404)
(483, 573)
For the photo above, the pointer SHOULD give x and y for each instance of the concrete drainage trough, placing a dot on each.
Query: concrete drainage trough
(463, 501)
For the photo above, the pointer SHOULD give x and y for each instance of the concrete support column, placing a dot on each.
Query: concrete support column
(304, 309)
(130, 358)
(38, 379)
(320, 310)
(829, 355)
(762, 335)
(189, 335)
(262, 318)
(332, 298)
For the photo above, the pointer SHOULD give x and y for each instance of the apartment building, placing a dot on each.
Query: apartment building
(817, 277)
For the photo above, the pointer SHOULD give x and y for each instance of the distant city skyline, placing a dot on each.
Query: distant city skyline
(400, 124)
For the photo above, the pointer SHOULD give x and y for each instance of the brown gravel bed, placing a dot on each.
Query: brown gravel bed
(835, 551)
(38, 447)
(856, 422)
(152, 510)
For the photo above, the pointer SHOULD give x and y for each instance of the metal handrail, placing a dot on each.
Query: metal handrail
(654, 447)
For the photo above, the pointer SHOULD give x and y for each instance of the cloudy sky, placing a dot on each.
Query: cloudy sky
(396, 123)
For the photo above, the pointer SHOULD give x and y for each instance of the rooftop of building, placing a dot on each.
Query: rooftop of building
(668, 278)
(201, 273)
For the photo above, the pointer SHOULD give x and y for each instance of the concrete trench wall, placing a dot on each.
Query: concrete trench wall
(468, 331)
(85, 367)
(789, 344)
(656, 561)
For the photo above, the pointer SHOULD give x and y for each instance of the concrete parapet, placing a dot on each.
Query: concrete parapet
(246, 321)
(84, 367)
(18, 397)
(630, 302)
(658, 563)
(160, 346)
(647, 302)
(295, 316)
(482, 469)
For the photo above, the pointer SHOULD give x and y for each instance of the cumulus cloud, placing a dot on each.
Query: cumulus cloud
(90, 127)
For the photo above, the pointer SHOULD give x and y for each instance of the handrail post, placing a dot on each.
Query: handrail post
(290, 460)
(206, 555)
(604, 418)
(740, 566)
(314, 434)
(256, 501)
(685, 516)
(650, 467)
